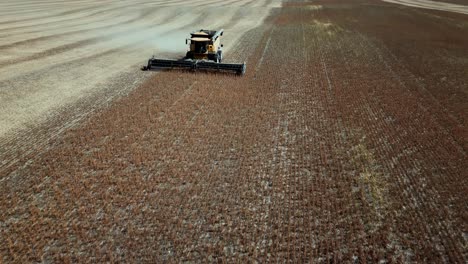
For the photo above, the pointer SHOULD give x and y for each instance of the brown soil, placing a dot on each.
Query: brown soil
(344, 142)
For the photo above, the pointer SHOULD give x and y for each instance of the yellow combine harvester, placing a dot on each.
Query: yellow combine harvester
(205, 53)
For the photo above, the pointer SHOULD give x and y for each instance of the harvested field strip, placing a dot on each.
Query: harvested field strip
(330, 149)
(96, 50)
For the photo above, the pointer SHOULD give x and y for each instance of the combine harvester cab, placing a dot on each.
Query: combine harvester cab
(205, 53)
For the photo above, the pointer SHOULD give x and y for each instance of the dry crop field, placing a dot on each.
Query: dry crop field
(60, 56)
(345, 142)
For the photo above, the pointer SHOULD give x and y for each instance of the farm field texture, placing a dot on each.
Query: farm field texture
(345, 142)
(61, 55)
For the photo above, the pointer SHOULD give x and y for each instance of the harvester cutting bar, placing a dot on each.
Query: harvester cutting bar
(196, 64)
(164, 63)
(207, 65)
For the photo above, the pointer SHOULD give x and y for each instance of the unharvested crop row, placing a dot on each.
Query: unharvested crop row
(399, 125)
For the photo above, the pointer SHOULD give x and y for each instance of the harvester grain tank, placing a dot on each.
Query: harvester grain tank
(205, 53)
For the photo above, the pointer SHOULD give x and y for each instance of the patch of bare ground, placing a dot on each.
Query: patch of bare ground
(340, 144)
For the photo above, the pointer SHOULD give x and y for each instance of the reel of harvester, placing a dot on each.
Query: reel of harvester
(205, 53)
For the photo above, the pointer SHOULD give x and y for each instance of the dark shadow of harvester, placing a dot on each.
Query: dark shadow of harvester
(205, 53)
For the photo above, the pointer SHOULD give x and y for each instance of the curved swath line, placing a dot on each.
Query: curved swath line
(85, 15)
(69, 12)
(79, 23)
(263, 4)
(207, 3)
(59, 35)
(88, 58)
(201, 3)
(156, 3)
(46, 16)
(145, 14)
(238, 15)
(214, 3)
(148, 3)
(194, 20)
(107, 18)
(50, 20)
(234, 3)
(64, 48)
(85, 8)
(78, 44)
(27, 4)
(36, 3)
(80, 61)
(159, 3)
(248, 3)
(72, 19)
(52, 52)
(198, 3)
(174, 3)
(30, 9)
